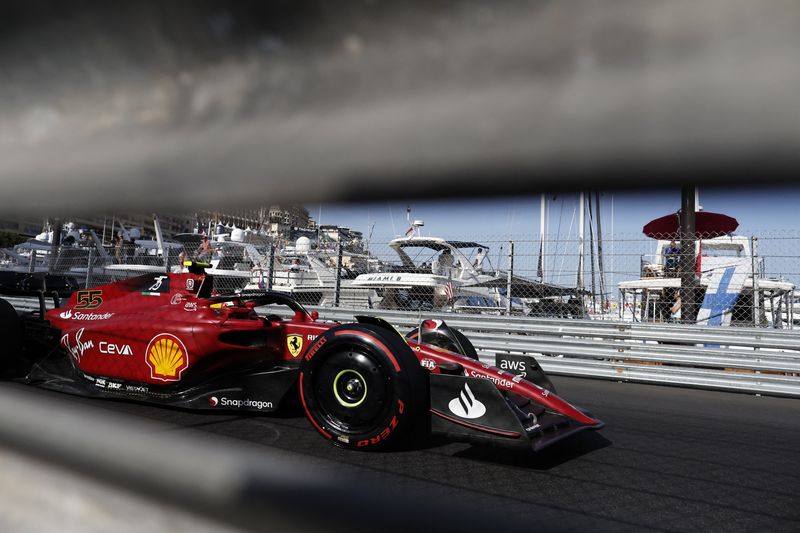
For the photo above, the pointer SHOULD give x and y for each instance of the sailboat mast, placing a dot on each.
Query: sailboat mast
(591, 253)
(600, 252)
(542, 221)
(581, 229)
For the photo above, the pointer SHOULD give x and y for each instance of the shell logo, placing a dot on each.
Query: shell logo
(167, 357)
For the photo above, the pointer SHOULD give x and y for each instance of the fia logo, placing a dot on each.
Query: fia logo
(465, 405)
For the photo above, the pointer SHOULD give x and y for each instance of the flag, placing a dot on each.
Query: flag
(410, 231)
(540, 266)
(448, 289)
(698, 265)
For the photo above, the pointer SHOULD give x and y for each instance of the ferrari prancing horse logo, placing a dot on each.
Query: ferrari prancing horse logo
(295, 344)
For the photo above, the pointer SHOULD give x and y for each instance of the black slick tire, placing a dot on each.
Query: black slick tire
(362, 387)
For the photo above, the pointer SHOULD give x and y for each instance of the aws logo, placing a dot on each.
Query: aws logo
(167, 357)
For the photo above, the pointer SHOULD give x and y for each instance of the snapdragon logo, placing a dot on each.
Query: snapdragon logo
(230, 402)
(465, 405)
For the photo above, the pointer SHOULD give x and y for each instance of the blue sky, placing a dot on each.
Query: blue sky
(766, 212)
(757, 210)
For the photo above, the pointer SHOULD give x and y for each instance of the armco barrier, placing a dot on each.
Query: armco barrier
(758, 361)
(748, 360)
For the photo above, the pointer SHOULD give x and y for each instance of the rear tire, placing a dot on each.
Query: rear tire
(362, 387)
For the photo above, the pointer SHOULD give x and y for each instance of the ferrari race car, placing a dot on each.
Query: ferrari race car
(170, 340)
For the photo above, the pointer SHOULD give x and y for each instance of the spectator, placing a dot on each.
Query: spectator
(479, 259)
(446, 262)
(672, 255)
(118, 248)
(675, 310)
(204, 251)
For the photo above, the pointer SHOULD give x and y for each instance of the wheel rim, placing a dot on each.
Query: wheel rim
(352, 390)
(349, 388)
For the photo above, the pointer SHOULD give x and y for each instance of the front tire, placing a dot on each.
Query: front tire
(362, 387)
(436, 338)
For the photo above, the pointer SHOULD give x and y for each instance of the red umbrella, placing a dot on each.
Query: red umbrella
(707, 225)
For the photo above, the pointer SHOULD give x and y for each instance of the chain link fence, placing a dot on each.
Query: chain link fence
(740, 280)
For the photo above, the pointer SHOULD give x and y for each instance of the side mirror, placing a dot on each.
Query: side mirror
(314, 315)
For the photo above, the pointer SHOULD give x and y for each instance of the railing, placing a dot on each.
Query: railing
(751, 360)
(736, 359)
(541, 285)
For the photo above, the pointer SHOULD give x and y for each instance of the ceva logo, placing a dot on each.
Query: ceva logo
(115, 349)
(466, 405)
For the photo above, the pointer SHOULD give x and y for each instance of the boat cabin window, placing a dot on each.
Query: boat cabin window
(419, 259)
(724, 251)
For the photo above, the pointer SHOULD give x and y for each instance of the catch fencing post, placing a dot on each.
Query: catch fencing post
(510, 274)
(271, 266)
(753, 244)
(338, 276)
(88, 270)
(55, 247)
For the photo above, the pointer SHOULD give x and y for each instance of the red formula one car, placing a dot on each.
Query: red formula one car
(167, 339)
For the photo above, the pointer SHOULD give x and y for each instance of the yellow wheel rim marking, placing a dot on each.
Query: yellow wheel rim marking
(342, 400)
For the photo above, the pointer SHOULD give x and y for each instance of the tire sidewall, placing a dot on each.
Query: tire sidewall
(407, 389)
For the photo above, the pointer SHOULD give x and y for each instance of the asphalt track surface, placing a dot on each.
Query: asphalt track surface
(670, 459)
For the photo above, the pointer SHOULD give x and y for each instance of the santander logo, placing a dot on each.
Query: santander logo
(465, 405)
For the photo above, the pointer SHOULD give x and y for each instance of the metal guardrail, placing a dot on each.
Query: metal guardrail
(736, 359)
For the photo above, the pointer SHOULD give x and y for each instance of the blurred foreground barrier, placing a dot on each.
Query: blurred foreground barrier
(272, 102)
(736, 359)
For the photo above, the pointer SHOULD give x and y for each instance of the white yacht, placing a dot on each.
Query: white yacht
(433, 273)
(310, 275)
(725, 273)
